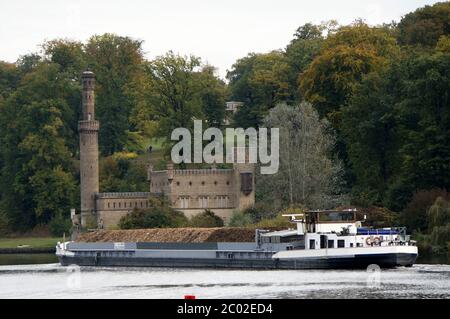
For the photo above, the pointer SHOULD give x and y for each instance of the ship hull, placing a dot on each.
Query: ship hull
(388, 260)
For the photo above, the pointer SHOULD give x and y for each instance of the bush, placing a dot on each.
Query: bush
(439, 213)
(276, 222)
(440, 236)
(152, 218)
(240, 219)
(59, 226)
(140, 218)
(259, 212)
(158, 215)
(414, 216)
(206, 219)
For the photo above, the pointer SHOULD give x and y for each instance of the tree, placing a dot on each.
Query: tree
(123, 172)
(212, 93)
(36, 175)
(371, 137)
(118, 64)
(425, 26)
(345, 58)
(206, 219)
(439, 222)
(301, 51)
(9, 78)
(260, 81)
(395, 127)
(424, 120)
(175, 91)
(69, 55)
(308, 174)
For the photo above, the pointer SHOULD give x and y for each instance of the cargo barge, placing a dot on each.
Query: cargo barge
(321, 240)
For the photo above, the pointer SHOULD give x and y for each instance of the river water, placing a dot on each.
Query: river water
(50, 280)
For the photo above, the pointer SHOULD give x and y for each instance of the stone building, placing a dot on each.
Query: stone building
(190, 191)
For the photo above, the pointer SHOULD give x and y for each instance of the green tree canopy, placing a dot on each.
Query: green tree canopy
(425, 26)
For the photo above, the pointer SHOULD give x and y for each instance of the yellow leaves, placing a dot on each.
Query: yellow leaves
(338, 69)
(124, 155)
(443, 44)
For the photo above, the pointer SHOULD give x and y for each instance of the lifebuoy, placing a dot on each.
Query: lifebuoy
(377, 240)
(368, 241)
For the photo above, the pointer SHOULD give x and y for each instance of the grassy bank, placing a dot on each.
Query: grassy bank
(30, 242)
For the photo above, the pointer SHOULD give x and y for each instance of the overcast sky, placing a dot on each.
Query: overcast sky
(218, 31)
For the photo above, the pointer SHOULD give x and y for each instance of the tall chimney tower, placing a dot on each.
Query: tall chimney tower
(88, 129)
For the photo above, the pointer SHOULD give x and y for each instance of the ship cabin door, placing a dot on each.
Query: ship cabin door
(323, 241)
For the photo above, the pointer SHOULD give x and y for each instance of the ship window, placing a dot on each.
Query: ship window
(351, 244)
(336, 216)
(312, 244)
(323, 242)
(341, 243)
(330, 243)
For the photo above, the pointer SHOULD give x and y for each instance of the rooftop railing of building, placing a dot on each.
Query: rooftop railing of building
(123, 195)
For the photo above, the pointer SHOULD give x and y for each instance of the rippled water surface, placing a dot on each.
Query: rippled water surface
(55, 281)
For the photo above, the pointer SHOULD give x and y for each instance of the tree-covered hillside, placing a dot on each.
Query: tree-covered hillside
(383, 92)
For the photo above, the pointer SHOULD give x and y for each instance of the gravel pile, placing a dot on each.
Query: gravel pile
(171, 235)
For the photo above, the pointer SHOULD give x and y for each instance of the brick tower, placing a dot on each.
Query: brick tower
(88, 129)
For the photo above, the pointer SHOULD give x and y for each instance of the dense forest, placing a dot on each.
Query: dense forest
(380, 93)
